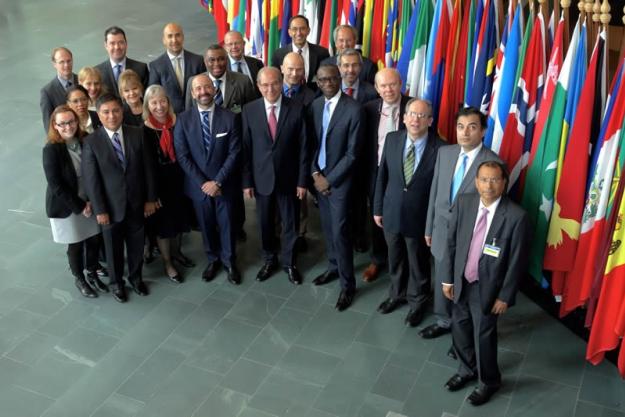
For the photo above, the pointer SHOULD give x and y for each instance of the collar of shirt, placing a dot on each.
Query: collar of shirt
(334, 99)
(172, 56)
(222, 78)
(387, 108)
(234, 61)
(285, 88)
(122, 63)
(211, 113)
(471, 155)
(303, 48)
(268, 105)
(489, 217)
(64, 82)
(120, 132)
(354, 86)
(419, 145)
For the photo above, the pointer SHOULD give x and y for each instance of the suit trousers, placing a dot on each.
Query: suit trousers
(442, 304)
(335, 224)
(214, 217)
(409, 269)
(288, 208)
(475, 337)
(130, 231)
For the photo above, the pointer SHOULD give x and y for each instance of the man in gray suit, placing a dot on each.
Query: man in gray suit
(53, 94)
(487, 244)
(454, 174)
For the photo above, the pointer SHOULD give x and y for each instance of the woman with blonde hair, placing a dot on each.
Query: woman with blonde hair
(131, 92)
(91, 79)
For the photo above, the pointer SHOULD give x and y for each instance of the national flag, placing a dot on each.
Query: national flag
(475, 22)
(329, 23)
(220, 13)
(285, 39)
(391, 34)
(378, 32)
(311, 11)
(412, 63)
(504, 82)
(274, 35)
(406, 54)
(405, 13)
(367, 25)
(257, 31)
(435, 55)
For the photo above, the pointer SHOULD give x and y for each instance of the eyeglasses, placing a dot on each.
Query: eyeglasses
(415, 115)
(490, 180)
(65, 124)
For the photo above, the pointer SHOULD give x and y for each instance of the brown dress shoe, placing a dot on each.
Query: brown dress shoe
(371, 273)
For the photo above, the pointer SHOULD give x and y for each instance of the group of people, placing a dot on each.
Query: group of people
(137, 154)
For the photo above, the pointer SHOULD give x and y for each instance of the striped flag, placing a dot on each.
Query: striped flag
(392, 32)
(274, 35)
(257, 31)
(435, 55)
(285, 39)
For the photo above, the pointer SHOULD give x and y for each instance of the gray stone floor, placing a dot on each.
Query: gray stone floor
(215, 350)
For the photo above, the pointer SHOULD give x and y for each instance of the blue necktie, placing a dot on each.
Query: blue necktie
(117, 71)
(117, 145)
(206, 131)
(219, 98)
(458, 177)
(321, 161)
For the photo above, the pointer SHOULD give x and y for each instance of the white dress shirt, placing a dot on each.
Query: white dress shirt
(306, 56)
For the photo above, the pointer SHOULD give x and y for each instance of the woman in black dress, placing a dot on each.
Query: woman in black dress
(171, 220)
(131, 92)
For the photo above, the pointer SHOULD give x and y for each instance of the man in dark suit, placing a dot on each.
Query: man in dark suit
(454, 174)
(349, 62)
(275, 169)
(334, 123)
(238, 61)
(487, 244)
(345, 37)
(175, 67)
(116, 46)
(294, 86)
(119, 178)
(401, 198)
(382, 116)
(312, 54)
(54, 93)
(207, 143)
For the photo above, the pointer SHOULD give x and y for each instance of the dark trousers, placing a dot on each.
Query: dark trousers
(379, 249)
(130, 232)
(83, 255)
(442, 304)
(214, 216)
(409, 268)
(335, 224)
(288, 207)
(475, 337)
(238, 207)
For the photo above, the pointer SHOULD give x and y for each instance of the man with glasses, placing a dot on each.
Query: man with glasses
(54, 93)
(456, 166)
(334, 125)
(400, 206)
(239, 62)
(345, 37)
(486, 257)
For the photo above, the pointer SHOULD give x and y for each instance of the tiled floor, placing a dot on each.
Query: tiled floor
(258, 350)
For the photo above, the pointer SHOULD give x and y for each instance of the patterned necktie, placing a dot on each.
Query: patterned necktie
(206, 131)
(117, 145)
(475, 250)
(178, 71)
(219, 98)
(117, 71)
(273, 123)
(458, 177)
(409, 162)
(300, 51)
(325, 122)
(349, 91)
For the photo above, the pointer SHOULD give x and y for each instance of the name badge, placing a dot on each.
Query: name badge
(491, 250)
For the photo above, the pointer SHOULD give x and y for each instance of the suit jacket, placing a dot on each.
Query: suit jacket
(498, 276)
(342, 139)
(108, 78)
(439, 207)
(162, 72)
(367, 73)
(239, 91)
(111, 188)
(369, 166)
(219, 163)
(280, 165)
(366, 92)
(316, 54)
(304, 96)
(404, 206)
(51, 96)
(253, 64)
(62, 191)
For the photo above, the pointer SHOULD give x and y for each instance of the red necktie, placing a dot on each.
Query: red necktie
(273, 123)
(350, 91)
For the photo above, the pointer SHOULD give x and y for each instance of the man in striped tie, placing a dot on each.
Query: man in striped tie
(487, 244)
(400, 205)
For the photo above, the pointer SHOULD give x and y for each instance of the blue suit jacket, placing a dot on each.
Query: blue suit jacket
(218, 163)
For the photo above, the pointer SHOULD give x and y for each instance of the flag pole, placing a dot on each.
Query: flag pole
(596, 14)
(588, 5)
(566, 4)
(605, 18)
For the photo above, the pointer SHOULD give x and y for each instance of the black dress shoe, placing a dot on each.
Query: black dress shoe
(234, 276)
(266, 271)
(326, 277)
(452, 353)
(294, 276)
(433, 331)
(390, 304)
(346, 298)
(175, 278)
(414, 317)
(140, 288)
(481, 395)
(457, 382)
(184, 261)
(119, 294)
(94, 281)
(211, 271)
(84, 288)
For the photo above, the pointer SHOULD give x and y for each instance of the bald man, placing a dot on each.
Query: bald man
(294, 85)
(175, 66)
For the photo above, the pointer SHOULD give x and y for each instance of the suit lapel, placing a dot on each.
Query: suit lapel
(284, 113)
(264, 121)
(498, 221)
(400, 144)
(469, 177)
(230, 87)
(335, 114)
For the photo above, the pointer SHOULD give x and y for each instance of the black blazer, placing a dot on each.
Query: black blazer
(111, 188)
(108, 78)
(239, 91)
(367, 73)
(51, 96)
(280, 165)
(62, 191)
(254, 66)
(366, 92)
(342, 140)
(404, 206)
(316, 54)
(304, 96)
(95, 119)
(162, 73)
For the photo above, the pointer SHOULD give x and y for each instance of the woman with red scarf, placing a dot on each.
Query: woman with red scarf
(172, 219)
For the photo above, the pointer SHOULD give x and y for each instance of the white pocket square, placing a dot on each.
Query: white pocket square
(219, 135)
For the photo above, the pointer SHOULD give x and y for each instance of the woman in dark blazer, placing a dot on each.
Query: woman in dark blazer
(78, 100)
(67, 207)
